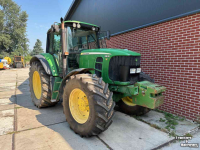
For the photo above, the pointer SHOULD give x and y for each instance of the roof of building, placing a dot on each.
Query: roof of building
(72, 8)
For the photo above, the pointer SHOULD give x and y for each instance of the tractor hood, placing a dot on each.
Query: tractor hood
(110, 51)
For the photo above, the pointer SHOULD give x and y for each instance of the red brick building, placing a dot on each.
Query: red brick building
(170, 53)
(168, 40)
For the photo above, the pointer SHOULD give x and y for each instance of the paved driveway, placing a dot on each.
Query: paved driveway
(25, 127)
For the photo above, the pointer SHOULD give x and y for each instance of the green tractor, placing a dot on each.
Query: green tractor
(89, 79)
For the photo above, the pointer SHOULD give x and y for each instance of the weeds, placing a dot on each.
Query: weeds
(170, 120)
(155, 126)
(18, 107)
(172, 134)
(188, 135)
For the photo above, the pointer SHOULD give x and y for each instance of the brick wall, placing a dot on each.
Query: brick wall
(171, 55)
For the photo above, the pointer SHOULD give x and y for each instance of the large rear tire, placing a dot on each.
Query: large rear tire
(88, 104)
(39, 83)
(126, 106)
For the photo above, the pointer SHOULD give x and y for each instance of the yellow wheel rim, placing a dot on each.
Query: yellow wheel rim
(79, 106)
(128, 101)
(37, 85)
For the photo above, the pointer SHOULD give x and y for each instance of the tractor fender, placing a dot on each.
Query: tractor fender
(43, 61)
(74, 72)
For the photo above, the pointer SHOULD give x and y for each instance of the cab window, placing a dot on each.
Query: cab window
(57, 44)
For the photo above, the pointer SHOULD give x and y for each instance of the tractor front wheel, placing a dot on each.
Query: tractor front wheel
(88, 104)
(39, 83)
(126, 106)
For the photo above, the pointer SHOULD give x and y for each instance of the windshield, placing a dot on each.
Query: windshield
(80, 39)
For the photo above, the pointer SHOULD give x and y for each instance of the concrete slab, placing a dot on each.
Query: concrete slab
(19, 82)
(129, 133)
(23, 92)
(32, 117)
(182, 128)
(7, 94)
(24, 100)
(176, 146)
(55, 137)
(6, 142)
(7, 103)
(7, 88)
(8, 80)
(6, 121)
(24, 87)
(6, 107)
(8, 84)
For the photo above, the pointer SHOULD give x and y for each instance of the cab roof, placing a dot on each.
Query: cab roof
(74, 21)
(71, 21)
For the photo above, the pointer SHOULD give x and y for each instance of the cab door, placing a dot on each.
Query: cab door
(57, 52)
(53, 47)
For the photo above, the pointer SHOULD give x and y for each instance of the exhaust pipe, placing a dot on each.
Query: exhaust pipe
(65, 52)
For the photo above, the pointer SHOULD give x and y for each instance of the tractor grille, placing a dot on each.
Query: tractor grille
(119, 68)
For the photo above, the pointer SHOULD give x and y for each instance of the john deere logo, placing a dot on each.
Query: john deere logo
(135, 59)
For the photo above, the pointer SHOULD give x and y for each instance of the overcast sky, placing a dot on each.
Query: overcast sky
(42, 14)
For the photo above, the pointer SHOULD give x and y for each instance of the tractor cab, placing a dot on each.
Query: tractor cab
(76, 37)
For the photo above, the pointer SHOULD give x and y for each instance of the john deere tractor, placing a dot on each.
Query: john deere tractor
(88, 78)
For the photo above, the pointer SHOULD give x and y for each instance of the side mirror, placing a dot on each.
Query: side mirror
(108, 35)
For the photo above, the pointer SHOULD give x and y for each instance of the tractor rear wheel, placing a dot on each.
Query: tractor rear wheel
(126, 106)
(88, 104)
(39, 83)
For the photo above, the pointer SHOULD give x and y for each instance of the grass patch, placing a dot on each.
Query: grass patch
(18, 107)
(156, 126)
(172, 134)
(152, 125)
(188, 135)
(13, 132)
(162, 120)
(170, 120)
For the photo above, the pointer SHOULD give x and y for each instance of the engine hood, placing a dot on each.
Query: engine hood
(110, 51)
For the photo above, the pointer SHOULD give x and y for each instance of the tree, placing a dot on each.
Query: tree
(13, 23)
(37, 49)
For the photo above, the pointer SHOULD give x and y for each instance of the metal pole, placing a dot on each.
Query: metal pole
(64, 48)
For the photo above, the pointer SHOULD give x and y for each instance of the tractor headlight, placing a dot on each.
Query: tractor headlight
(138, 70)
(78, 25)
(135, 70)
(74, 25)
(132, 70)
(93, 28)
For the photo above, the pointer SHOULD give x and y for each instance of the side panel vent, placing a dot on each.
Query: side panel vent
(99, 59)
(98, 66)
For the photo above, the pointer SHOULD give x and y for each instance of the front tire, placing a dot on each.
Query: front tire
(126, 106)
(88, 104)
(39, 83)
